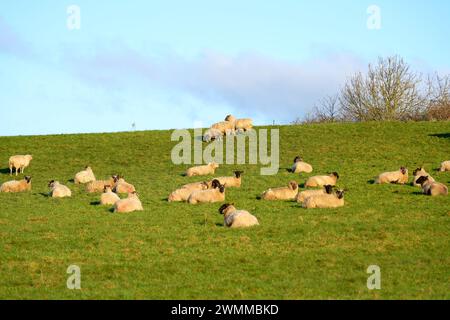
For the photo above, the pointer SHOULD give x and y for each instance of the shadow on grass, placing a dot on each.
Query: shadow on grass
(95, 203)
(371, 181)
(71, 180)
(4, 171)
(44, 194)
(440, 135)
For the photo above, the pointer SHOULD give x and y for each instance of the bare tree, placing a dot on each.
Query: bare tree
(439, 98)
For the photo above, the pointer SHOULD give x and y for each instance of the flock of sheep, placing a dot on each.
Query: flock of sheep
(320, 190)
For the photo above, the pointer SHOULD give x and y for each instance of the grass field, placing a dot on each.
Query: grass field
(179, 251)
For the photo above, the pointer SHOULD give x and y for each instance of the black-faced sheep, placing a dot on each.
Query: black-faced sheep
(234, 218)
(333, 200)
(58, 190)
(432, 188)
(17, 186)
(231, 182)
(301, 166)
(303, 195)
(121, 186)
(419, 172)
(216, 194)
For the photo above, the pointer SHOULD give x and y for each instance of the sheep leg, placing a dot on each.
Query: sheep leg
(10, 170)
(22, 170)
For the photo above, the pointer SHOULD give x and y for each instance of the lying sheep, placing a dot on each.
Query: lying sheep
(130, 204)
(121, 186)
(19, 163)
(418, 173)
(240, 124)
(283, 193)
(212, 135)
(58, 190)
(205, 170)
(234, 218)
(445, 166)
(320, 181)
(300, 166)
(85, 176)
(108, 197)
(232, 181)
(224, 127)
(17, 186)
(432, 188)
(99, 185)
(400, 177)
(183, 193)
(303, 195)
(333, 200)
(216, 194)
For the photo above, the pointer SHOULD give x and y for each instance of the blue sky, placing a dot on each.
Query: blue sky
(175, 64)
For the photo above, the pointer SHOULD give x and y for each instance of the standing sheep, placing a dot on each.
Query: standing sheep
(17, 186)
(108, 197)
(418, 173)
(121, 186)
(320, 181)
(283, 193)
(445, 166)
(85, 176)
(400, 177)
(303, 195)
(240, 124)
(300, 166)
(205, 170)
(234, 218)
(58, 190)
(130, 204)
(183, 193)
(232, 181)
(216, 194)
(432, 188)
(325, 201)
(19, 163)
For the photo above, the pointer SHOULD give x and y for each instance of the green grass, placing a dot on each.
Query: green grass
(179, 251)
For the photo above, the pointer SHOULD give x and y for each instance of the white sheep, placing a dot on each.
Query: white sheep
(400, 177)
(333, 200)
(58, 190)
(17, 186)
(183, 193)
(108, 197)
(445, 166)
(240, 124)
(234, 218)
(130, 204)
(225, 127)
(121, 186)
(419, 172)
(432, 188)
(216, 194)
(19, 163)
(99, 185)
(232, 181)
(303, 195)
(282, 193)
(320, 181)
(301, 166)
(205, 170)
(85, 176)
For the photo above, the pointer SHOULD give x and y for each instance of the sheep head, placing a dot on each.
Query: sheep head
(226, 207)
(403, 170)
(51, 183)
(335, 174)
(28, 179)
(298, 159)
(238, 174)
(422, 180)
(293, 185)
(340, 194)
(328, 189)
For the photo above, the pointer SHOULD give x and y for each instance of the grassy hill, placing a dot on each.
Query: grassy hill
(183, 252)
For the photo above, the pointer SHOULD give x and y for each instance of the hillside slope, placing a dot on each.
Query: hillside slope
(179, 251)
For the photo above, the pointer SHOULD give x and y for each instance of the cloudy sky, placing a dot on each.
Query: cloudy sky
(174, 64)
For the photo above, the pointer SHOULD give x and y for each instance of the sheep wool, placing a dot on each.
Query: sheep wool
(121, 186)
(299, 166)
(17, 186)
(130, 204)
(283, 193)
(183, 193)
(419, 172)
(85, 176)
(212, 135)
(234, 218)
(325, 201)
(98, 186)
(303, 195)
(58, 190)
(19, 163)
(320, 181)
(232, 182)
(399, 177)
(205, 170)
(225, 127)
(445, 166)
(216, 194)
(432, 188)
(240, 124)
(108, 197)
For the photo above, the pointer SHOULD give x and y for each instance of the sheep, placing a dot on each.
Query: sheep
(240, 124)
(232, 181)
(445, 166)
(216, 194)
(183, 193)
(418, 173)
(17, 186)
(58, 190)
(303, 195)
(300, 166)
(432, 188)
(333, 200)
(399, 177)
(85, 176)
(99, 185)
(234, 218)
(108, 197)
(212, 134)
(121, 186)
(283, 193)
(225, 127)
(320, 181)
(205, 170)
(19, 163)
(130, 204)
